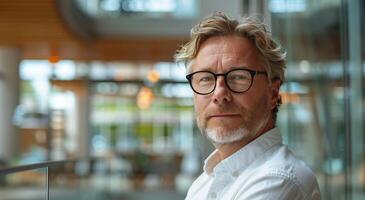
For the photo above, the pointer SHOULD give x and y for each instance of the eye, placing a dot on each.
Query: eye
(206, 78)
(238, 77)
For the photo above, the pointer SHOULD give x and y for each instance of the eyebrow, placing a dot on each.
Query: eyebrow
(229, 69)
(239, 67)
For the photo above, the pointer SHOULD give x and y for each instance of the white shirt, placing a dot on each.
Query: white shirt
(263, 169)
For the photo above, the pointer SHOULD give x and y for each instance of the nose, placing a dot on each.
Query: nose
(221, 93)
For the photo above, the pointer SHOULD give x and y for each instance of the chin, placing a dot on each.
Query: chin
(219, 136)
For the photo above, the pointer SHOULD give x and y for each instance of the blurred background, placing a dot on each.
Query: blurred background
(92, 85)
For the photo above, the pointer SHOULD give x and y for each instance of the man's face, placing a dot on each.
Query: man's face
(224, 116)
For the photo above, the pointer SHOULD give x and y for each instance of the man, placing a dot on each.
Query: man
(235, 70)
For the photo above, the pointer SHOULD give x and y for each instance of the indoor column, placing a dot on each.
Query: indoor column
(9, 95)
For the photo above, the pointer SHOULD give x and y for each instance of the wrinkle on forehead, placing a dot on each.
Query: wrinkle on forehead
(217, 52)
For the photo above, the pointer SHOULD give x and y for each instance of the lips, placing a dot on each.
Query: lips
(223, 115)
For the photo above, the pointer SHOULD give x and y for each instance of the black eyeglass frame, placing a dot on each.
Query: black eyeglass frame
(253, 73)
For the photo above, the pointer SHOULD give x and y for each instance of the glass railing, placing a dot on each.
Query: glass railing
(80, 180)
(27, 182)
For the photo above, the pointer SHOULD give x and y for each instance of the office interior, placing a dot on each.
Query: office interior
(90, 92)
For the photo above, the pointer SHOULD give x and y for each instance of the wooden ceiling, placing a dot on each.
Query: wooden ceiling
(38, 30)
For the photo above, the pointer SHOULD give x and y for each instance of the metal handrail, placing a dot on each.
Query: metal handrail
(34, 166)
(39, 165)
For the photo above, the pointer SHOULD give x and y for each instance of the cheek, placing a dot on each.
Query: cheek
(261, 105)
(255, 103)
(200, 102)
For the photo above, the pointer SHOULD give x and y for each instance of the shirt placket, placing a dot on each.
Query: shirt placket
(219, 184)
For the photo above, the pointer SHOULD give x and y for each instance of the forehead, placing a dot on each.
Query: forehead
(221, 53)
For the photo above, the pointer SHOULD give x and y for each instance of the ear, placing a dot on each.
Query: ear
(274, 93)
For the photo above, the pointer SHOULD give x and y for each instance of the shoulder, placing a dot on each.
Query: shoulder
(285, 164)
(281, 175)
(274, 185)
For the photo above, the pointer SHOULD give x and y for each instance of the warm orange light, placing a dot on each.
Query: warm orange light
(290, 98)
(144, 98)
(153, 76)
(54, 59)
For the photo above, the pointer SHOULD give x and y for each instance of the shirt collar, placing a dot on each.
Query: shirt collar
(242, 158)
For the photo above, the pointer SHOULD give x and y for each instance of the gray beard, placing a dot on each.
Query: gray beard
(218, 137)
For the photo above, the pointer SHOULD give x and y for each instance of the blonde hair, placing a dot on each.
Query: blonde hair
(272, 55)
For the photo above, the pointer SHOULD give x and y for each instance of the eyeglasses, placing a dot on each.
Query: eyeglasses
(237, 80)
